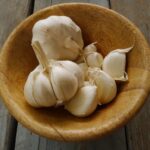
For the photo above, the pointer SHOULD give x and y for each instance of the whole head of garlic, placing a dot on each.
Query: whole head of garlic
(114, 64)
(106, 85)
(84, 102)
(53, 82)
(92, 57)
(59, 36)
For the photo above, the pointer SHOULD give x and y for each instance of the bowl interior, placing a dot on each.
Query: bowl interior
(110, 31)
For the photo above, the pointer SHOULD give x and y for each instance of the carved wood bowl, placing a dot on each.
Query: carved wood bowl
(111, 31)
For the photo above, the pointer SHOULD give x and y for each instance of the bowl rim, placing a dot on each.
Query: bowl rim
(55, 134)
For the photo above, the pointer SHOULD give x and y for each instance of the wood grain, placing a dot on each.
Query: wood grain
(26, 140)
(12, 12)
(29, 141)
(113, 141)
(138, 130)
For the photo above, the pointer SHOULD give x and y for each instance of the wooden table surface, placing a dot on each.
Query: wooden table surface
(134, 136)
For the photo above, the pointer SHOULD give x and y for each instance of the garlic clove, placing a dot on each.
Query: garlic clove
(84, 69)
(59, 36)
(94, 59)
(64, 83)
(90, 48)
(74, 69)
(114, 64)
(28, 90)
(106, 85)
(43, 92)
(84, 102)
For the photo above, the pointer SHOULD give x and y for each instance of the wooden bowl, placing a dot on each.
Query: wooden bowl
(111, 31)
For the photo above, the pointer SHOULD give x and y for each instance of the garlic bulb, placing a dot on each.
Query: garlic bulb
(106, 85)
(84, 102)
(93, 58)
(59, 36)
(53, 82)
(114, 64)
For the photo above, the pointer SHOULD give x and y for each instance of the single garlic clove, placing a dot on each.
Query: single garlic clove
(64, 83)
(43, 92)
(106, 85)
(114, 64)
(28, 89)
(84, 102)
(90, 48)
(94, 59)
(59, 36)
(84, 69)
(74, 69)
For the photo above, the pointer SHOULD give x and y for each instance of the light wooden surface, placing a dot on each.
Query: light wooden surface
(136, 136)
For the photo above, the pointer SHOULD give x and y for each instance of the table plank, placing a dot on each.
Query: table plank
(11, 13)
(28, 140)
(39, 4)
(137, 11)
(114, 141)
(138, 130)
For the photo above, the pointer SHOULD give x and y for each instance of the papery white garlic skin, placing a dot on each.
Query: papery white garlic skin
(84, 102)
(114, 64)
(90, 48)
(74, 69)
(59, 36)
(38, 91)
(93, 58)
(84, 68)
(28, 90)
(43, 92)
(51, 88)
(106, 85)
(64, 83)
